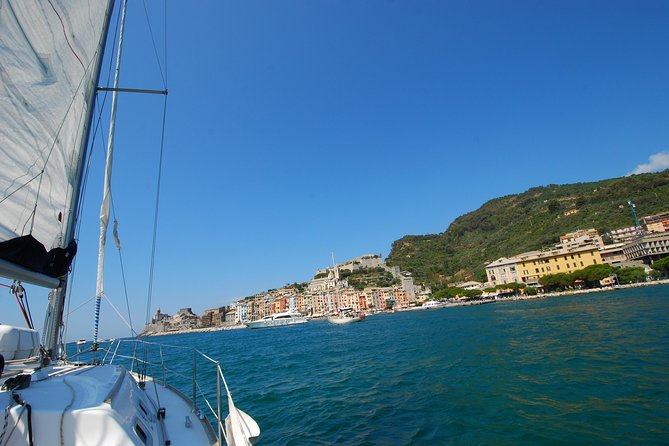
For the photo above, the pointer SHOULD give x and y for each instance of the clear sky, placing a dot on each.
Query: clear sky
(300, 128)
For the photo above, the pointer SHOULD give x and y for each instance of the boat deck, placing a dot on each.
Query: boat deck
(96, 404)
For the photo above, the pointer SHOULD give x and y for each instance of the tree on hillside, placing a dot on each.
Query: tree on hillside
(661, 265)
(514, 224)
(631, 275)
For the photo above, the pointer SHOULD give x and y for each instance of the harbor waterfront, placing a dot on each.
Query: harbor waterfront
(585, 369)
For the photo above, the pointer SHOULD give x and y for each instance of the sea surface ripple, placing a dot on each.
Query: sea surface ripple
(588, 369)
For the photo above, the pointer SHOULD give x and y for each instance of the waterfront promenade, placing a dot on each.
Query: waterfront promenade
(449, 305)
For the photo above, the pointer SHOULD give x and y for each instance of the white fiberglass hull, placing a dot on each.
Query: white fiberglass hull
(433, 304)
(344, 320)
(276, 323)
(278, 320)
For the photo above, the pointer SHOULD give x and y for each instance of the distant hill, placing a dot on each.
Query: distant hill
(509, 225)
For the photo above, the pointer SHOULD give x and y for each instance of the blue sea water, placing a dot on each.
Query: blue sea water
(586, 369)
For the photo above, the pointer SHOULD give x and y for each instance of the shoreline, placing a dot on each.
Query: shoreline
(193, 330)
(569, 293)
(447, 305)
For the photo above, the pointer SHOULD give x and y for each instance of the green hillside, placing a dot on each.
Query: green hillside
(509, 225)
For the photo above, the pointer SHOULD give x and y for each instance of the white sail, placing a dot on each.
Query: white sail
(50, 53)
(49, 58)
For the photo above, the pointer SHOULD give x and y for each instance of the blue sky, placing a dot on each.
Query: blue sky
(299, 128)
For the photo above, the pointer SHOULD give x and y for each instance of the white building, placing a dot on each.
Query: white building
(582, 238)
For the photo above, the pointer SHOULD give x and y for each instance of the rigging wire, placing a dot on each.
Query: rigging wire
(155, 217)
(160, 172)
(100, 131)
(82, 305)
(165, 37)
(133, 332)
(155, 227)
(153, 41)
(17, 290)
(23, 294)
(84, 184)
(120, 259)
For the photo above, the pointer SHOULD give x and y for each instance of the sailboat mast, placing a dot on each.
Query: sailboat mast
(106, 193)
(55, 310)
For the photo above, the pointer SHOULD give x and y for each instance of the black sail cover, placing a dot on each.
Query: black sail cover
(26, 251)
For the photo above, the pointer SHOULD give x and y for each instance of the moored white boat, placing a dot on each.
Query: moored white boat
(346, 316)
(431, 304)
(345, 320)
(278, 320)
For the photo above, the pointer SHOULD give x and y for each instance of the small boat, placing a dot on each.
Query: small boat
(278, 320)
(81, 343)
(431, 304)
(346, 316)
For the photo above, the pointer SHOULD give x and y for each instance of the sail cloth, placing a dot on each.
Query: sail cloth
(49, 57)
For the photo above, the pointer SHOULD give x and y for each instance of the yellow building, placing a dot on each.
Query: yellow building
(531, 266)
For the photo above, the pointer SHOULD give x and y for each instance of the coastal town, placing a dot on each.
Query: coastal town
(387, 288)
(329, 290)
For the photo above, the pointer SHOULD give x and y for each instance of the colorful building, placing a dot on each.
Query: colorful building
(533, 266)
(502, 271)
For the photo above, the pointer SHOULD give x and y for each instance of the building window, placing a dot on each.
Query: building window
(594, 261)
(548, 268)
(581, 263)
(575, 265)
(558, 267)
(536, 270)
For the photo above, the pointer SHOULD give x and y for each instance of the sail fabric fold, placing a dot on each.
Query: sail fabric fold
(240, 428)
(49, 54)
